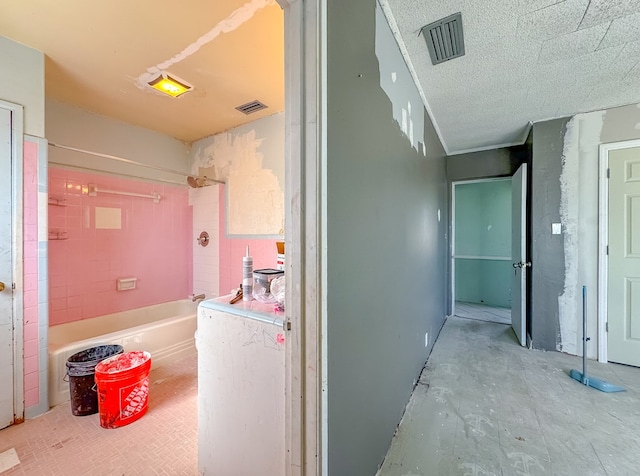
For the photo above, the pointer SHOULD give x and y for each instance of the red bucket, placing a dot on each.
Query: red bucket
(123, 388)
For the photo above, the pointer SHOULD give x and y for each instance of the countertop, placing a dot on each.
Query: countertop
(249, 309)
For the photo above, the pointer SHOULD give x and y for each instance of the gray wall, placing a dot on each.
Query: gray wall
(487, 163)
(565, 190)
(386, 249)
(483, 164)
(22, 82)
(547, 250)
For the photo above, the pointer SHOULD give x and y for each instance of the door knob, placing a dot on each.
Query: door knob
(1, 286)
(522, 264)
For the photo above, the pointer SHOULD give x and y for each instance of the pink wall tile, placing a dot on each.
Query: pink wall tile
(30, 282)
(153, 245)
(31, 315)
(30, 347)
(31, 397)
(31, 331)
(31, 380)
(31, 365)
(30, 272)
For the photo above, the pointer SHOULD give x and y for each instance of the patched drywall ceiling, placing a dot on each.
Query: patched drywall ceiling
(525, 61)
(98, 53)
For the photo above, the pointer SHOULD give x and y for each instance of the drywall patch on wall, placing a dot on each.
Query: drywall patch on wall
(255, 198)
(229, 24)
(398, 85)
(591, 126)
(569, 218)
(579, 218)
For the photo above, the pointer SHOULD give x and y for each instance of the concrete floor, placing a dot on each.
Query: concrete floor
(486, 406)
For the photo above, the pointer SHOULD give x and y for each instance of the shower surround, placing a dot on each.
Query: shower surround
(96, 240)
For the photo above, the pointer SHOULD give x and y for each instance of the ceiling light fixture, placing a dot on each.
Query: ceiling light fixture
(169, 84)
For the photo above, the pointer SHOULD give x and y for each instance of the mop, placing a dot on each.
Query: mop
(582, 377)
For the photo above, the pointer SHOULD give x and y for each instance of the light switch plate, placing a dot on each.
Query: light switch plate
(556, 228)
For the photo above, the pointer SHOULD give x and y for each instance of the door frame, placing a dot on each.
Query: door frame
(17, 137)
(306, 429)
(603, 240)
(452, 258)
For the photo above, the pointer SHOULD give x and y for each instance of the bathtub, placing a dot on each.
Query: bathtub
(165, 330)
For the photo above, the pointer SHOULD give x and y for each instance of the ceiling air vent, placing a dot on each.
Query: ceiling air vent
(444, 38)
(251, 107)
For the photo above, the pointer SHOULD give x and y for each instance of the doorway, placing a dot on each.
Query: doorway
(11, 391)
(481, 258)
(488, 259)
(619, 266)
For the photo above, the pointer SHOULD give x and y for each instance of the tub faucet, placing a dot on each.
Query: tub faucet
(197, 297)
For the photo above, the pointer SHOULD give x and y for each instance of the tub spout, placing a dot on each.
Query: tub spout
(197, 297)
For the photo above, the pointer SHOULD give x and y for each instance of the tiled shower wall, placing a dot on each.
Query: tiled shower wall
(132, 237)
(204, 202)
(217, 268)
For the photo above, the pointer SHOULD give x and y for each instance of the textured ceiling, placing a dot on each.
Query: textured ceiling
(526, 60)
(97, 54)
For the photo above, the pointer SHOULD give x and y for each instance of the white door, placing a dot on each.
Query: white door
(519, 253)
(6, 278)
(623, 313)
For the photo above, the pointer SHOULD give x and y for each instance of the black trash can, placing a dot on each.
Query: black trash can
(81, 370)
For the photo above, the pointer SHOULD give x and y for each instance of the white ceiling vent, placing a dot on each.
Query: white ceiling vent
(251, 107)
(444, 38)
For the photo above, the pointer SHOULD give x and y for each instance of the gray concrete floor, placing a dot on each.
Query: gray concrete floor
(484, 405)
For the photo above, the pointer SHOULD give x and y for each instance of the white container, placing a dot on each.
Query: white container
(247, 277)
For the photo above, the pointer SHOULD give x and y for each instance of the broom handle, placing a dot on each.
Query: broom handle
(584, 332)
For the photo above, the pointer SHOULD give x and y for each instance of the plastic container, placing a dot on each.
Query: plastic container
(80, 370)
(123, 388)
(262, 284)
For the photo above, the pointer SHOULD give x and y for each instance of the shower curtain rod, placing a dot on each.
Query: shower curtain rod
(119, 174)
(125, 161)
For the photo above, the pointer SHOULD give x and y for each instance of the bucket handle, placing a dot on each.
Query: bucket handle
(66, 379)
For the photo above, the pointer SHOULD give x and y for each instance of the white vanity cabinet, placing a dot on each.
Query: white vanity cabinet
(241, 389)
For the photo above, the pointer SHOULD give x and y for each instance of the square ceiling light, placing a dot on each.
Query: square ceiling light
(170, 85)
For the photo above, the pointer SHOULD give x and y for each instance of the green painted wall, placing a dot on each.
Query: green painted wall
(484, 281)
(483, 229)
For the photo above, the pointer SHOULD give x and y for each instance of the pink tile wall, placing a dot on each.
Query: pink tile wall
(154, 245)
(30, 273)
(263, 251)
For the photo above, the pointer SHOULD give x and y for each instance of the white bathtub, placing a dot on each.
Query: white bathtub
(165, 330)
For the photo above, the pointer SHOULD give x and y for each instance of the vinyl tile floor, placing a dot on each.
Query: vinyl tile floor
(484, 405)
(162, 442)
(482, 312)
